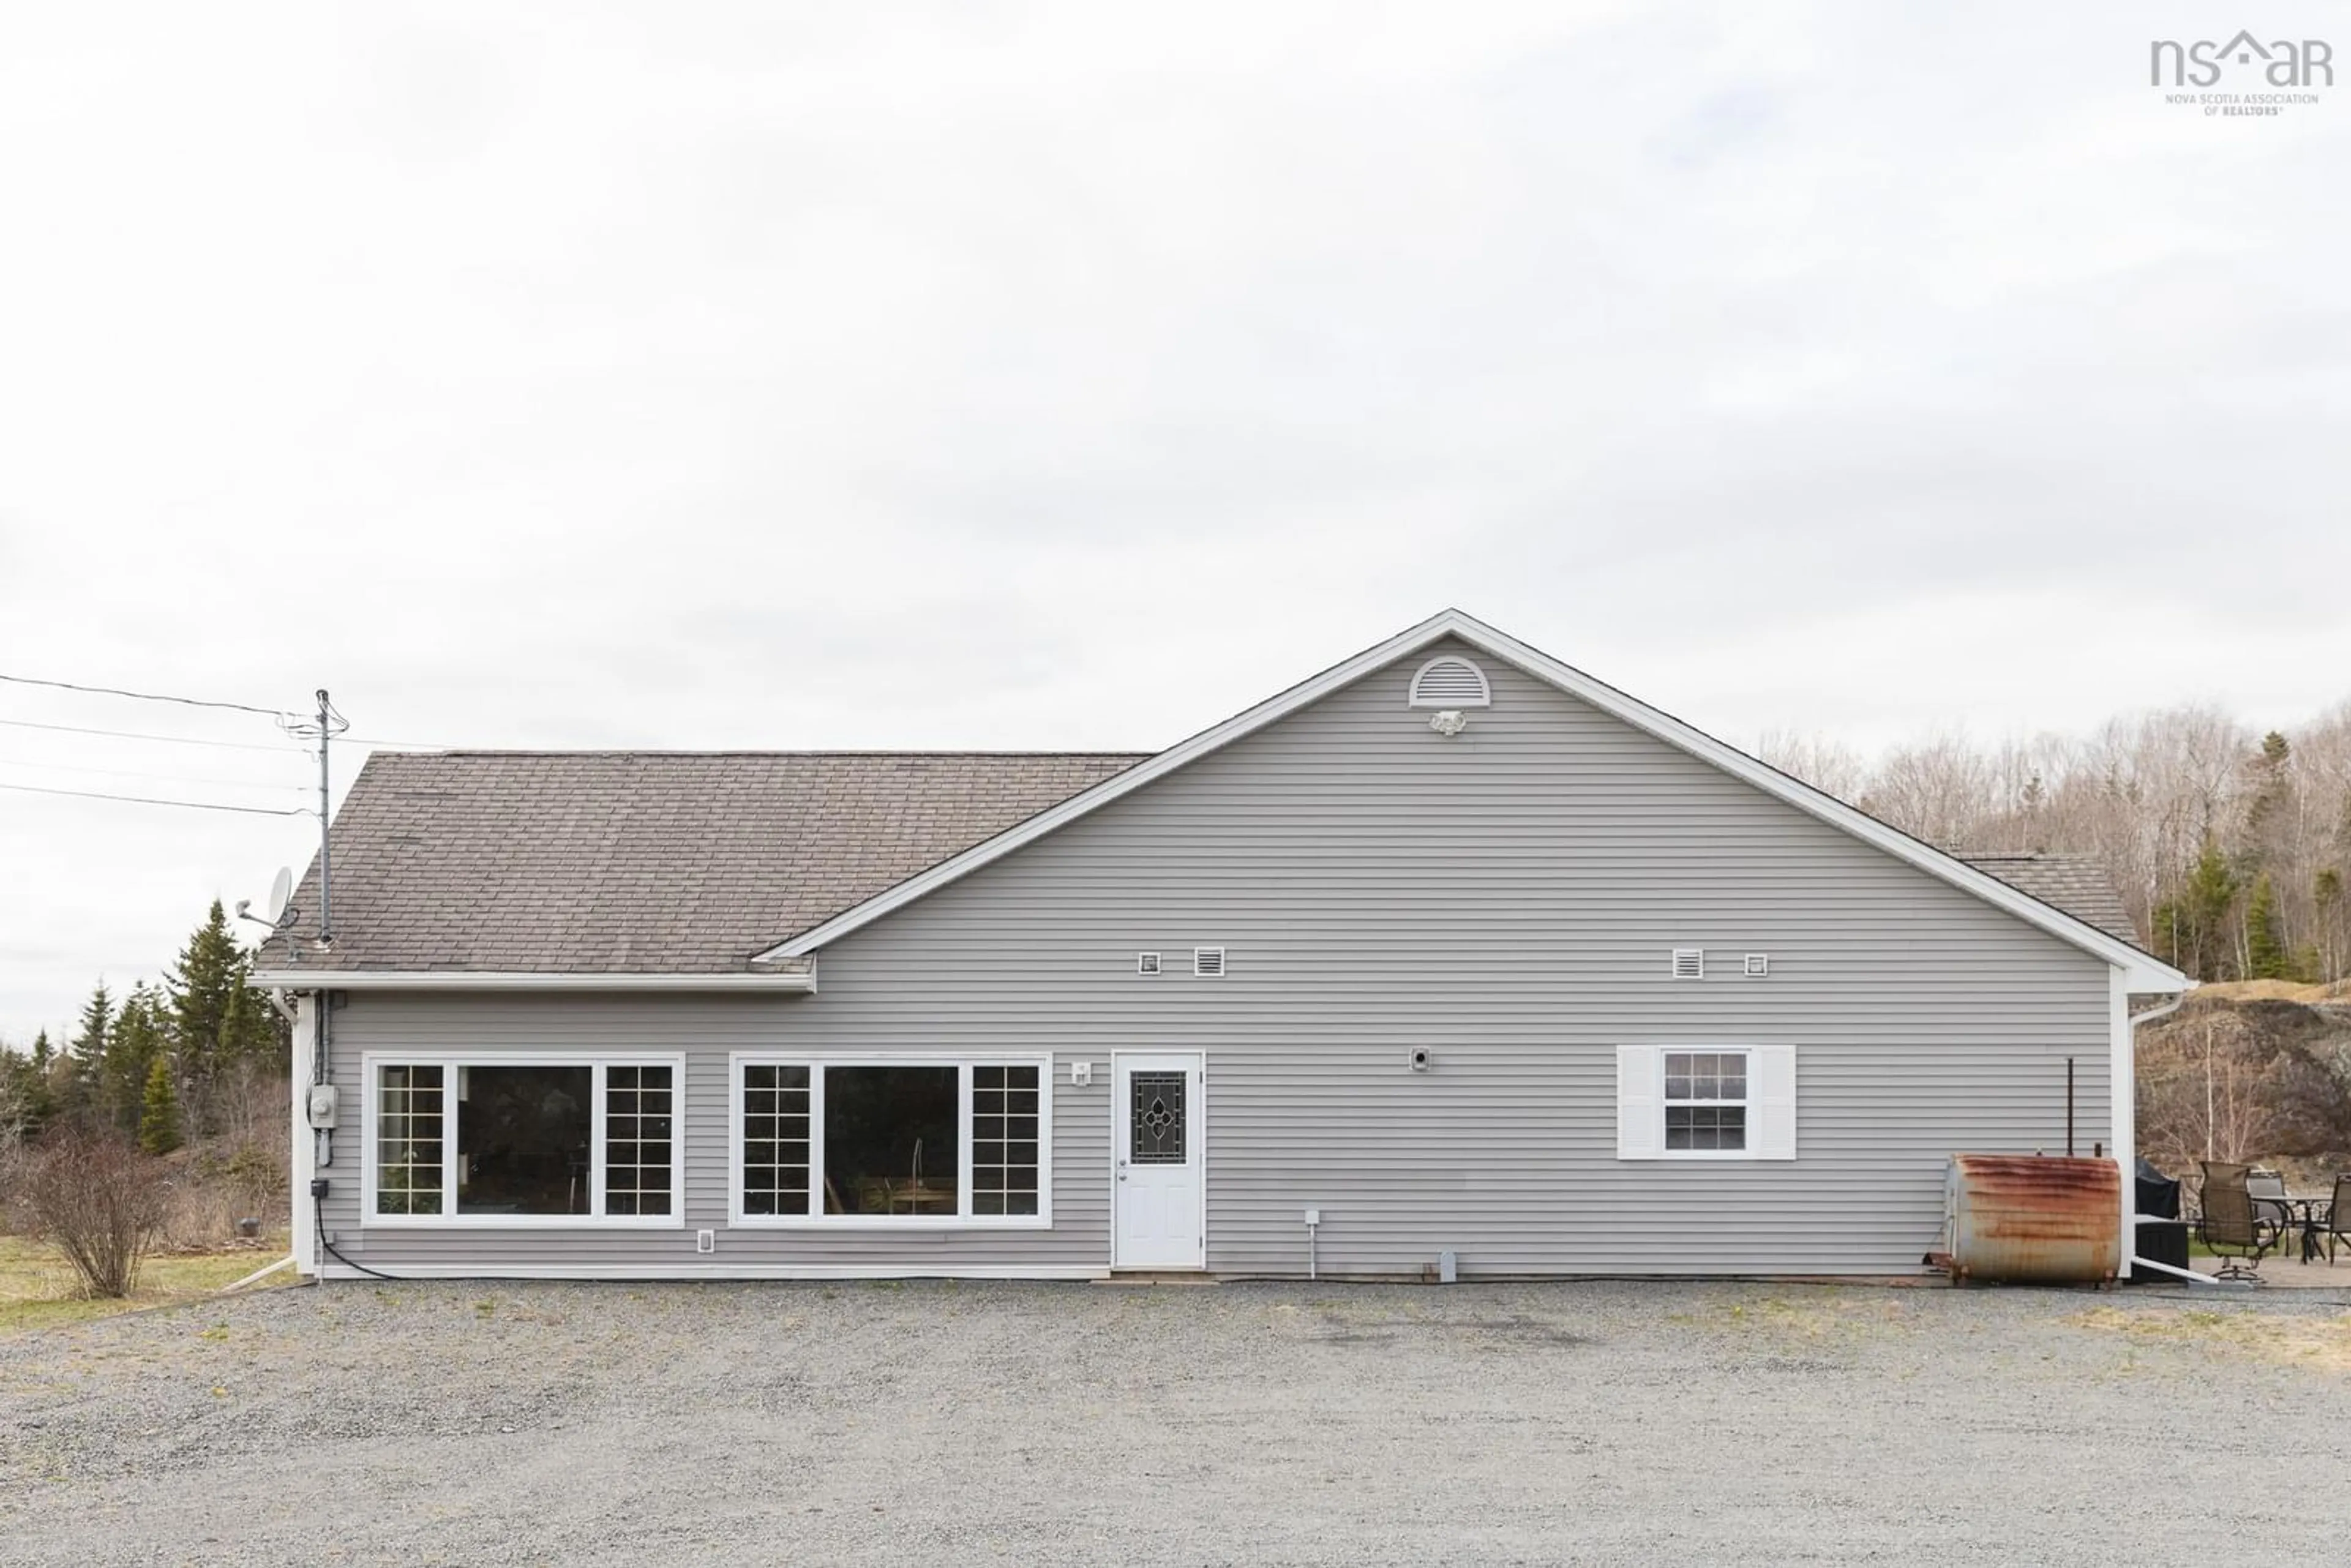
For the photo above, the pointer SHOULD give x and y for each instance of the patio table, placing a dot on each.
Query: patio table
(2305, 1208)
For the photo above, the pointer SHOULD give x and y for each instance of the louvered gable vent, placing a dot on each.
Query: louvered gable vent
(1449, 680)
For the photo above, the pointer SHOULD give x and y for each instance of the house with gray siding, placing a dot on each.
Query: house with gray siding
(1448, 949)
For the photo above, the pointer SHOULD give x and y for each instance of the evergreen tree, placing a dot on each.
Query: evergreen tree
(249, 1032)
(159, 1116)
(2265, 955)
(210, 972)
(137, 1041)
(2270, 778)
(89, 1050)
(2191, 929)
(210, 1026)
(41, 1098)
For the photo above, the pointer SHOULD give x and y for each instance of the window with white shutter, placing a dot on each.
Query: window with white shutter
(1695, 1102)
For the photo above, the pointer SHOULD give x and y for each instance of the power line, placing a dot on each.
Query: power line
(136, 735)
(153, 800)
(155, 778)
(145, 697)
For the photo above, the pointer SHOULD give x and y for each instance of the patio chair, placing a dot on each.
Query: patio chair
(2231, 1228)
(2267, 1190)
(2337, 1218)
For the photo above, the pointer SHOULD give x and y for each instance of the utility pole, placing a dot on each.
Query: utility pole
(323, 727)
(326, 864)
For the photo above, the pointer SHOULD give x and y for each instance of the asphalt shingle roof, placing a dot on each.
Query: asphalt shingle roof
(685, 862)
(691, 863)
(2078, 885)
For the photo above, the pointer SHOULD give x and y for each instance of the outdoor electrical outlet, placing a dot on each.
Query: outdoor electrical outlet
(1313, 1217)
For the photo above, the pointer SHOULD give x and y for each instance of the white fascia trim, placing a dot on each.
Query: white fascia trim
(335, 1270)
(2142, 973)
(489, 980)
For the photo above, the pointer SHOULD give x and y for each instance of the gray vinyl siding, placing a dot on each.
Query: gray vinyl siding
(1506, 899)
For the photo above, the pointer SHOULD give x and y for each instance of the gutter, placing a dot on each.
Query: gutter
(788, 983)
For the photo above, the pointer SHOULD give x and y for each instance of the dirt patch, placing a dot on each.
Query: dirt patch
(2322, 1341)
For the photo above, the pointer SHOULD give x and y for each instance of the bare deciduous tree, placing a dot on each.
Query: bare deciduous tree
(2145, 795)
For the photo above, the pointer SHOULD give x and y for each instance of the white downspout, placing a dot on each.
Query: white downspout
(2124, 1094)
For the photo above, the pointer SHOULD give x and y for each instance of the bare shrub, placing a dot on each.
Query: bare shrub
(97, 1199)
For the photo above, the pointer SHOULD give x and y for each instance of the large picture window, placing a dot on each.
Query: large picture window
(860, 1141)
(522, 1140)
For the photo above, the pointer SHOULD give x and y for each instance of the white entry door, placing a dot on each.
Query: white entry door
(1158, 1144)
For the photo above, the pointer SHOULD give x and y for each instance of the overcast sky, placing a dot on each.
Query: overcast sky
(777, 376)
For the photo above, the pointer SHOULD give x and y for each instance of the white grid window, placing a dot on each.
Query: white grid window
(1005, 1149)
(774, 1139)
(408, 1140)
(639, 1145)
(1705, 1100)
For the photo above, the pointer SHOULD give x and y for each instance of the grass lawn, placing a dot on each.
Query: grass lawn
(38, 1291)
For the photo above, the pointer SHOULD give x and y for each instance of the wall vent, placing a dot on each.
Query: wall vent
(1758, 963)
(1449, 680)
(1209, 961)
(1690, 964)
(1146, 963)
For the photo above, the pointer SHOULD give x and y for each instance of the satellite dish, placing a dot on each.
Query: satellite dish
(281, 888)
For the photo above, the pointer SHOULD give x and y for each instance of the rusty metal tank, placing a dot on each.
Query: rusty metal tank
(2035, 1219)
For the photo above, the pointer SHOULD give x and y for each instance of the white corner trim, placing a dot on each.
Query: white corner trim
(489, 980)
(2141, 973)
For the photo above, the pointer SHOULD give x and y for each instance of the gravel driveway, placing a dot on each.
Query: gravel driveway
(1307, 1424)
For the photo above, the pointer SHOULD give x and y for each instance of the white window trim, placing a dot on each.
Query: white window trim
(1773, 1132)
(962, 1220)
(371, 1094)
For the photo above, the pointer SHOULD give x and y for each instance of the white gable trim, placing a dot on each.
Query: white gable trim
(2141, 973)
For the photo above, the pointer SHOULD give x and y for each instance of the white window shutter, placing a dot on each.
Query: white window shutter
(1640, 1103)
(1773, 1090)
